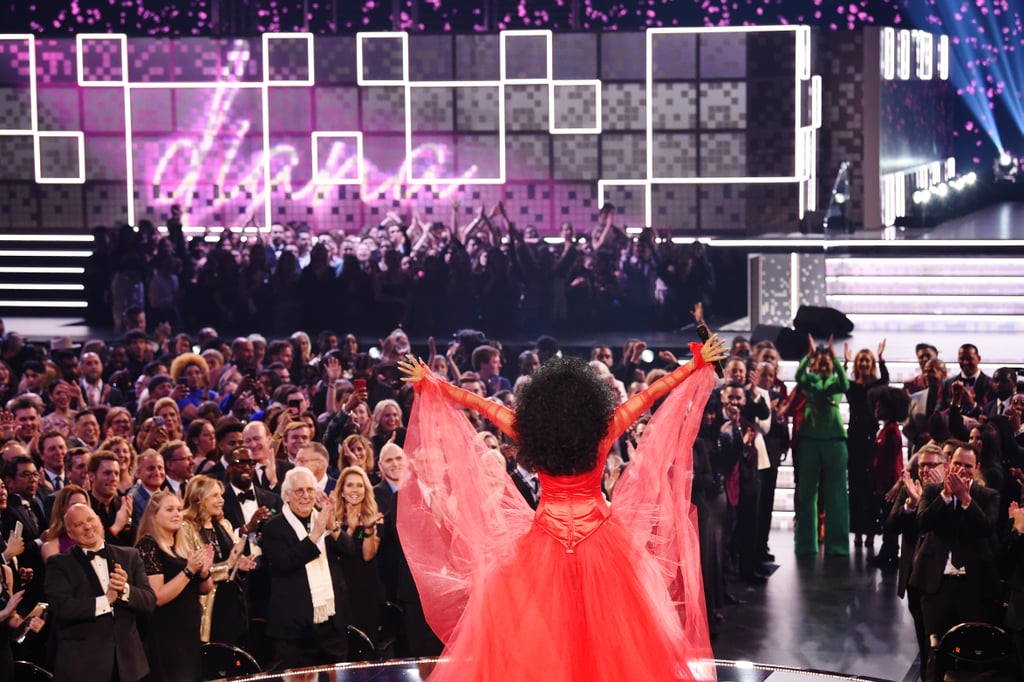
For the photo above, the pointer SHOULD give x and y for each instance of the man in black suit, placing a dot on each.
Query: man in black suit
(22, 480)
(977, 383)
(229, 437)
(94, 391)
(303, 548)
(95, 591)
(931, 468)
(417, 639)
(1004, 385)
(269, 471)
(246, 507)
(955, 567)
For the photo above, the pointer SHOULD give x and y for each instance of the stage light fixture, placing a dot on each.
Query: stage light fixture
(941, 190)
(922, 196)
(1005, 168)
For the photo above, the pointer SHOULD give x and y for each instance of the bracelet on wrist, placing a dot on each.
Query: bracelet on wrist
(188, 574)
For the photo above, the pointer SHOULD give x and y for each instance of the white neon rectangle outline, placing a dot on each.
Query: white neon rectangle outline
(83, 238)
(44, 304)
(403, 36)
(317, 135)
(32, 286)
(802, 68)
(816, 102)
(944, 57)
(308, 37)
(36, 253)
(122, 38)
(500, 85)
(549, 51)
(925, 54)
(888, 53)
(803, 52)
(36, 270)
(903, 62)
(80, 137)
(595, 129)
(33, 105)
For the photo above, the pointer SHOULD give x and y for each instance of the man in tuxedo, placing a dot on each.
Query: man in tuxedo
(955, 567)
(95, 591)
(246, 507)
(303, 548)
(269, 471)
(178, 463)
(22, 480)
(527, 484)
(52, 449)
(977, 383)
(1004, 385)
(229, 437)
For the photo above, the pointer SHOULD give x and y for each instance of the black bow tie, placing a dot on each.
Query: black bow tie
(249, 494)
(89, 554)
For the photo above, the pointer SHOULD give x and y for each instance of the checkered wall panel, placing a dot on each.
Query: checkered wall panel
(197, 124)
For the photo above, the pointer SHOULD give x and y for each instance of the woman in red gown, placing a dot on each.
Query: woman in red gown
(578, 591)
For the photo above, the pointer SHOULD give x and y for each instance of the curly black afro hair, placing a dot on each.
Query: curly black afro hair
(562, 414)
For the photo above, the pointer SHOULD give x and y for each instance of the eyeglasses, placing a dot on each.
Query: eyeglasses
(928, 465)
(28, 474)
(182, 459)
(244, 463)
(304, 492)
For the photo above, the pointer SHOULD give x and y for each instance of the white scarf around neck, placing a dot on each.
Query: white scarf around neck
(318, 571)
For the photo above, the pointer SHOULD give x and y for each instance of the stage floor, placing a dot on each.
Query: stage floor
(419, 670)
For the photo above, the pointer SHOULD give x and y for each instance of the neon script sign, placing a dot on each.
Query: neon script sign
(217, 158)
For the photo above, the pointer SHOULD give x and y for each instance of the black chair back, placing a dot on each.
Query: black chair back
(360, 646)
(974, 651)
(30, 672)
(223, 660)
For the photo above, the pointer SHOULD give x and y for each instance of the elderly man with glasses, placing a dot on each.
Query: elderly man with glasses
(303, 547)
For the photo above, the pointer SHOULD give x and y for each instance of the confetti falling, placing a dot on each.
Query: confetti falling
(987, 45)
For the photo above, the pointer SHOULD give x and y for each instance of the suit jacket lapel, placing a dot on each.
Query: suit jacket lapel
(90, 574)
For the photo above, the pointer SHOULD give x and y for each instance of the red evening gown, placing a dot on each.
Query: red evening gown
(578, 591)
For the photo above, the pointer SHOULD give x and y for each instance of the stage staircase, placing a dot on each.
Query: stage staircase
(962, 293)
(43, 273)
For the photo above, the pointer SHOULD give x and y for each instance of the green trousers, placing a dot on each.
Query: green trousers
(822, 461)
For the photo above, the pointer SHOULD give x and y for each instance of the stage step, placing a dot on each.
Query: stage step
(965, 294)
(43, 273)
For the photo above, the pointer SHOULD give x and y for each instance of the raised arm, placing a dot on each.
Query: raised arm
(629, 411)
(502, 417)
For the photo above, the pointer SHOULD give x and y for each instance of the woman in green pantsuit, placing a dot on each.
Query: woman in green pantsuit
(822, 454)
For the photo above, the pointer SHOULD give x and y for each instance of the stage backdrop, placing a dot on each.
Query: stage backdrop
(695, 130)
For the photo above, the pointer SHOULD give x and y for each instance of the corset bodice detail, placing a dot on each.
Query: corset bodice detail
(572, 507)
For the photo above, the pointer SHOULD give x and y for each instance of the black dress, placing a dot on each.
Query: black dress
(864, 513)
(364, 589)
(172, 632)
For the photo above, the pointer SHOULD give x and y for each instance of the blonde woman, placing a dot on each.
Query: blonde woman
(357, 512)
(55, 538)
(224, 613)
(357, 451)
(126, 456)
(178, 576)
(387, 425)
